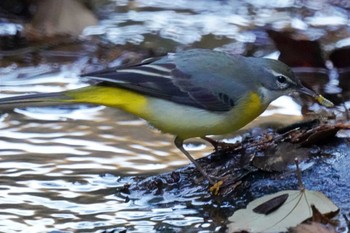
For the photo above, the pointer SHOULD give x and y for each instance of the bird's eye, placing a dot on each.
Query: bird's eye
(281, 79)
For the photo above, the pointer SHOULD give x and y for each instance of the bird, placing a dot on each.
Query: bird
(190, 93)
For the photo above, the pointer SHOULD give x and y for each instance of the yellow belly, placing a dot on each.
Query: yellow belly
(187, 122)
(180, 120)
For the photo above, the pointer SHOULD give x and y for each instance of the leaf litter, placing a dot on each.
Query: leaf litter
(282, 210)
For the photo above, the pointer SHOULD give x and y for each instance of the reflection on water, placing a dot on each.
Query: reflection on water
(109, 137)
(60, 166)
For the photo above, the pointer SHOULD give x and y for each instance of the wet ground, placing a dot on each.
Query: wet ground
(64, 168)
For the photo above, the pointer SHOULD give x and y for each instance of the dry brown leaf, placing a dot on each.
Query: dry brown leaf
(314, 227)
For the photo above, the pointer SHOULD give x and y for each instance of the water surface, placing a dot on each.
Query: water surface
(60, 166)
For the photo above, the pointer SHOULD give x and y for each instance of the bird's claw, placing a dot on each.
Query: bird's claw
(214, 189)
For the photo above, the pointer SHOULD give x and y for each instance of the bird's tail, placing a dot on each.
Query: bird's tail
(44, 99)
(124, 99)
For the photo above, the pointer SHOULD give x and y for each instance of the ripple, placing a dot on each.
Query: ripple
(61, 166)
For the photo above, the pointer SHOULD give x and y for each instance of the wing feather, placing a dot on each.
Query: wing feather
(163, 79)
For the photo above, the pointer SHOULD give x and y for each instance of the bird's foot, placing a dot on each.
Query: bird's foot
(221, 145)
(215, 186)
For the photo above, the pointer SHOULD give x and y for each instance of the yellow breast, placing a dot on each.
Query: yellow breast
(248, 109)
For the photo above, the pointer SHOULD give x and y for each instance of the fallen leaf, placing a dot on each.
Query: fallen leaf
(278, 158)
(292, 49)
(314, 227)
(317, 216)
(320, 136)
(296, 209)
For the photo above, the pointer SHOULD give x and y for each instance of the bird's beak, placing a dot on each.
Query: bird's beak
(307, 91)
(319, 98)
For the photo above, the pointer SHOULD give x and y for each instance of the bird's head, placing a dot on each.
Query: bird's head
(280, 80)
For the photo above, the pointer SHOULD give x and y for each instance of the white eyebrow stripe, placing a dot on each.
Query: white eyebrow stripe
(160, 68)
(279, 74)
(142, 72)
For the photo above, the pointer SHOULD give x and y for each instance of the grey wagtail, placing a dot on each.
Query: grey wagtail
(188, 94)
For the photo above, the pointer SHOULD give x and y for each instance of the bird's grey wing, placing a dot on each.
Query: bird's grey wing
(164, 79)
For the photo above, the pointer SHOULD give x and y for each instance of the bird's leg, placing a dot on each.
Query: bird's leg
(179, 144)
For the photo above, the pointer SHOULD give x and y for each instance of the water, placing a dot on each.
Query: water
(61, 166)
